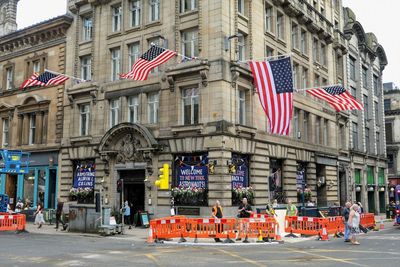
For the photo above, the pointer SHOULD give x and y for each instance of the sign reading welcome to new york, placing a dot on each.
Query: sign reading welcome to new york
(240, 177)
(193, 176)
(84, 177)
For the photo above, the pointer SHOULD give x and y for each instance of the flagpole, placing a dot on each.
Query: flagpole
(265, 58)
(72, 77)
(190, 58)
(310, 88)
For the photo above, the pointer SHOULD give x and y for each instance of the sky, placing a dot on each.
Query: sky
(380, 19)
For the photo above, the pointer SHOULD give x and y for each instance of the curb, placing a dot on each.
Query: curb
(219, 244)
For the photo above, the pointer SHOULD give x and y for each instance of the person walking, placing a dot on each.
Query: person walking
(217, 214)
(354, 223)
(345, 214)
(39, 215)
(127, 214)
(60, 207)
(291, 209)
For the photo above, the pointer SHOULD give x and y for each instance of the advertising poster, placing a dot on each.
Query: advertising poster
(85, 176)
(240, 177)
(193, 176)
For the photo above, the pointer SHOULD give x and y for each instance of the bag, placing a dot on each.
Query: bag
(363, 229)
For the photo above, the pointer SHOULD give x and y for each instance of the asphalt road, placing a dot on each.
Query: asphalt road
(377, 249)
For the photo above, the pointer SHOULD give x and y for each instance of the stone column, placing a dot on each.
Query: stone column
(19, 130)
(25, 129)
(39, 127)
(44, 128)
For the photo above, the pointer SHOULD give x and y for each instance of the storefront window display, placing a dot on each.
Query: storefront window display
(41, 186)
(29, 188)
(275, 181)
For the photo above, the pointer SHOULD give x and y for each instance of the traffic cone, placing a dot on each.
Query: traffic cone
(260, 237)
(324, 235)
(381, 225)
(278, 236)
(150, 237)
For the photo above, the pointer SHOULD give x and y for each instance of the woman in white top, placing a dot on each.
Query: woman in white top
(354, 223)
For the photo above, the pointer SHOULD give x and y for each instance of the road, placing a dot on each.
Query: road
(28, 249)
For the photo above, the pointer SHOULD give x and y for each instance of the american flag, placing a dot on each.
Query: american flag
(154, 57)
(45, 79)
(274, 83)
(337, 97)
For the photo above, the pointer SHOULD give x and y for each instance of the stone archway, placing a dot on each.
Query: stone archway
(128, 142)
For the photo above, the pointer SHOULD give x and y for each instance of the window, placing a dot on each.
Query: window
(280, 24)
(241, 6)
(366, 110)
(242, 107)
(152, 103)
(190, 103)
(342, 134)
(84, 118)
(354, 129)
(390, 163)
(376, 113)
(133, 106)
(155, 41)
(323, 55)
(32, 128)
(133, 53)
(296, 123)
(326, 132)
(10, 78)
(357, 176)
(376, 85)
(316, 80)
(116, 18)
(295, 35)
(352, 63)
(36, 66)
(367, 144)
(370, 175)
(154, 10)
(241, 48)
(295, 75)
(5, 140)
(305, 126)
(303, 42)
(387, 104)
(318, 130)
(269, 52)
(114, 112)
(365, 77)
(135, 13)
(115, 63)
(190, 45)
(353, 91)
(188, 5)
(87, 29)
(304, 77)
(315, 50)
(378, 143)
(86, 68)
(268, 18)
(389, 132)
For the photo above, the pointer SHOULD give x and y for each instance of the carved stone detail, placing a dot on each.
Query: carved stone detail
(204, 77)
(128, 149)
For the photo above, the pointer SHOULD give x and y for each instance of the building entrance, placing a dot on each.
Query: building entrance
(134, 191)
(11, 189)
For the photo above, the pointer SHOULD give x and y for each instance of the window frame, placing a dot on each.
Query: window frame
(295, 35)
(241, 107)
(86, 67)
(9, 78)
(133, 106)
(115, 63)
(353, 71)
(87, 29)
(32, 129)
(114, 112)
(133, 57)
(84, 129)
(154, 5)
(6, 132)
(280, 26)
(303, 41)
(192, 42)
(135, 13)
(241, 7)
(155, 103)
(241, 44)
(116, 18)
(268, 16)
(185, 3)
(194, 99)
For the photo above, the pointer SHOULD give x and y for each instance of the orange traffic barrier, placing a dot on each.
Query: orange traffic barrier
(165, 228)
(313, 226)
(367, 220)
(256, 227)
(12, 222)
(212, 228)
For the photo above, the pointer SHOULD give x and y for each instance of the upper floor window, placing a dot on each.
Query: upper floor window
(305, 126)
(135, 12)
(116, 18)
(156, 41)
(387, 104)
(318, 130)
(295, 75)
(133, 106)
(303, 42)
(376, 85)
(153, 105)
(115, 63)
(352, 63)
(32, 128)
(242, 107)
(367, 144)
(323, 55)
(133, 53)
(366, 108)
(354, 129)
(154, 10)
(326, 132)
(114, 112)
(296, 129)
(36, 66)
(190, 46)
(188, 5)
(389, 132)
(190, 103)
(315, 50)
(87, 29)
(376, 113)
(241, 6)
(241, 47)
(269, 51)
(9, 78)
(304, 77)
(378, 143)
(84, 118)
(268, 18)
(365, 77)
(280, 26)
(86, 68)
(295, 35)
(5, 140)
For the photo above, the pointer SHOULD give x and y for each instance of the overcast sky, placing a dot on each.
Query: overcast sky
(381, 19)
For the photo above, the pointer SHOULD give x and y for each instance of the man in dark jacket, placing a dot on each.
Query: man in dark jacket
(345, 214)
(60, 206)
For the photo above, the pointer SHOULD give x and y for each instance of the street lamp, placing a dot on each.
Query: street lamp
(227, 40)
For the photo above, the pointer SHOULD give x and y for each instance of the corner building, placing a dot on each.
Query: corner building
(203, 116)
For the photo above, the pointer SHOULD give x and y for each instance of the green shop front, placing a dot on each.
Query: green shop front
(38, 185)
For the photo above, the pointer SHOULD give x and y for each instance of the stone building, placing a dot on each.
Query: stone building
(203, 117)
(392, 123)
(31, 119)
(366, 60)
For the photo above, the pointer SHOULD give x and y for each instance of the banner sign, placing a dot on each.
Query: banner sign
(85, 176)
(300, 179)
(240, 177)
(193, 176)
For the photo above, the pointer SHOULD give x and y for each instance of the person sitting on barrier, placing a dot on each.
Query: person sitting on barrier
(345, 214)
(354, 223)
(291, 209)
(217, 214)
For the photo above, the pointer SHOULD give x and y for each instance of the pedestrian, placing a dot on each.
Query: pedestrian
(60, 206)
(127, 214)
(360, 208)
(354, 223)
(39, 215)
(245, 209)
(217, 214)
(19, 206)
(291, 209)
(275, 203)
(345, 214)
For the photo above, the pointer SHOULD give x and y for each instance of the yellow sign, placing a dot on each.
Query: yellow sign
(14, 157)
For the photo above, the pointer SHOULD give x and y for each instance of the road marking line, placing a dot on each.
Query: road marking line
(326, 257)
(242, 258)
(151, 257)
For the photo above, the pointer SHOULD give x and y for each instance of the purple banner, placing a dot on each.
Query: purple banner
(240, 177)
(193, 176)
(85, 176)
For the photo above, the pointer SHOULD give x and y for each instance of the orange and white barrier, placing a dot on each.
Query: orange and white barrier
(12, 222)
(367, 220)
